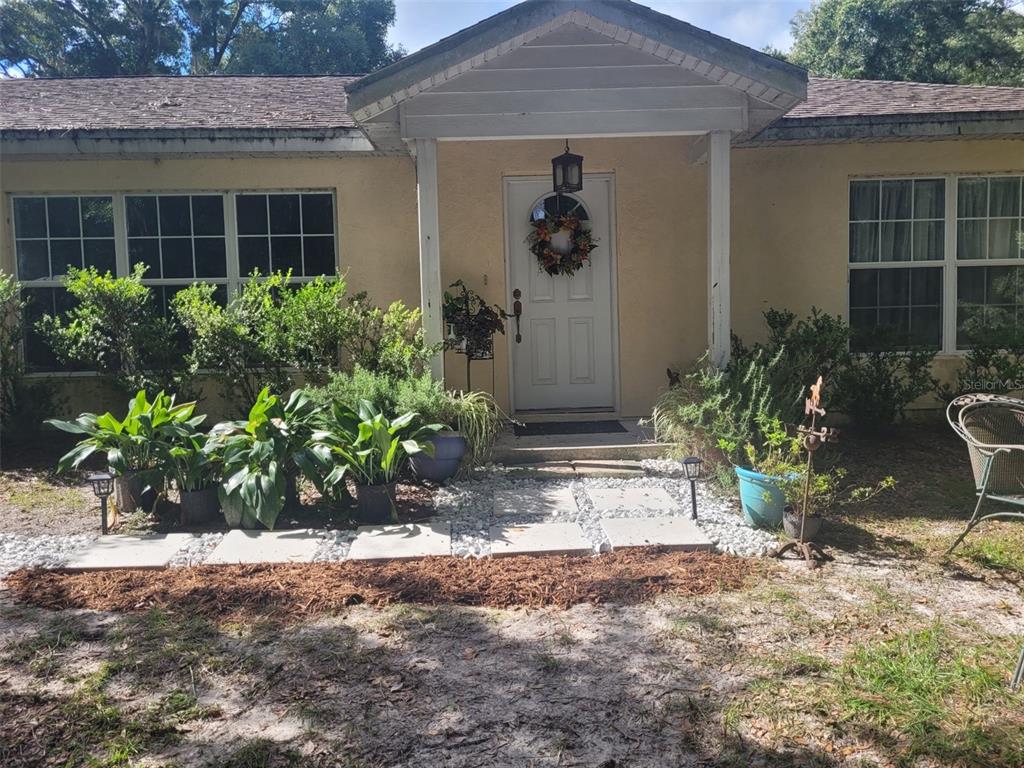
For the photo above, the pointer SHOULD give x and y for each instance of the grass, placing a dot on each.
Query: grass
(998, 554)
(43, 652)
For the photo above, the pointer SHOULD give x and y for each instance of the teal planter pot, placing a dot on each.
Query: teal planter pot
(762, 500)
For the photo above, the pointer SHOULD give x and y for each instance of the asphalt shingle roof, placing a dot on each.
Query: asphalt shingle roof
(320, 103)
(855, 98)
(175, 103)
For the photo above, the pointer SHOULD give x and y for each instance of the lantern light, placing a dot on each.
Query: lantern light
(567, 171)
(691, 468)
(102, 486)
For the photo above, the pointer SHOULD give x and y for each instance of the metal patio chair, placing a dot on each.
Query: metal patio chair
(993, 428)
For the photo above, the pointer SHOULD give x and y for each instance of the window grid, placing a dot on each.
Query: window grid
(122, 259)
(55, 273)
(300, 276)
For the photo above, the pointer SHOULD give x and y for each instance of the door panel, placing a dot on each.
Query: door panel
(566, 359)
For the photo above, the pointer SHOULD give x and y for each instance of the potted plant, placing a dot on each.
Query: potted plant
(471, 322)
(193, 469)
(134, 446)
(370, 448)
(772, 468)
(258, 456)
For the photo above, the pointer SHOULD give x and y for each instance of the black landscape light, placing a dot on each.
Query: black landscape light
(102, 487)
(692, 467)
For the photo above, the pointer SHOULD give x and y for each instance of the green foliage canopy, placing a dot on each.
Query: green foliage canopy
(65, 38)
(978, 42)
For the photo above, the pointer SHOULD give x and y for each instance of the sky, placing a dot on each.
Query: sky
(755, 23)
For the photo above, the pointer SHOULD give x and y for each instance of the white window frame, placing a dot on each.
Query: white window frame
(232, 281)
(950, 261)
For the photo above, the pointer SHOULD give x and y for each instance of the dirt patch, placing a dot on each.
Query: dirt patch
(314, 589)
(35, 501)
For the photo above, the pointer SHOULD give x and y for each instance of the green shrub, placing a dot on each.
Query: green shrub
(994, 362)
(11, 333)
(391, 342)
(117, 329)
(360, 384)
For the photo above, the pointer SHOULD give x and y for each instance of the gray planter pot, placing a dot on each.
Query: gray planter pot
(130, 493)
(375, 503)
(199, 507)
(449, 448)
(237, 515)
(791, 524)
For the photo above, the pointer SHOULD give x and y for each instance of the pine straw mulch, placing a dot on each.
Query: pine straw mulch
(310, 589)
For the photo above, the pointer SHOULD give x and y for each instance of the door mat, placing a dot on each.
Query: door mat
(540, 428)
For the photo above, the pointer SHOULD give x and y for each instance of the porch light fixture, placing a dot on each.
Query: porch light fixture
(102, 487)
(567, 172)
(691, 468)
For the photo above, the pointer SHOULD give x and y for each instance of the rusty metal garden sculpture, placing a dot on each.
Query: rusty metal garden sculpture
(813, 437)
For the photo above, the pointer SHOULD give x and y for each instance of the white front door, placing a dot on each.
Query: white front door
(565, 356)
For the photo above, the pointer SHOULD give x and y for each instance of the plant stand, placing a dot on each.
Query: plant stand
(813, 438)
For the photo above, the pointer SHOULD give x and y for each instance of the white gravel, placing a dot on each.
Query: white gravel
(334, 546)
(20, 551)
(469, 506)
(197, 550)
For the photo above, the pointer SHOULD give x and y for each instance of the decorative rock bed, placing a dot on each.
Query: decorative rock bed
(492, 501)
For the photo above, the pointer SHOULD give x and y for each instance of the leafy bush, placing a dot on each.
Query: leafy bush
(137, 443)
(391, 342)
(361, 384)
(875, 388)
(117, 330)
(994, 361)
(11, 333)
(725, 406)
(259, 454)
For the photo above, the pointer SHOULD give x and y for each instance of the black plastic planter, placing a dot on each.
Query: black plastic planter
(375, 503)
(199, 507)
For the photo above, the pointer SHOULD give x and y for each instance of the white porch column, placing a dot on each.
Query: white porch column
(430, 253)
(719, 318)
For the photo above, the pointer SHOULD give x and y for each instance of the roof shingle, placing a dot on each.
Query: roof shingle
(319, 103)
(175, 103)
(861, 98)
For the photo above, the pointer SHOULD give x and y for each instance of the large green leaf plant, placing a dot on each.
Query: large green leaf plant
(259, 454)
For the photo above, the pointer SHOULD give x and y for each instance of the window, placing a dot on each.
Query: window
(896, 235)
(990, 285)
(284, 231)
(180, 238)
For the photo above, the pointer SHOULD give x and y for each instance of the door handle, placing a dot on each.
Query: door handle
(517, 311)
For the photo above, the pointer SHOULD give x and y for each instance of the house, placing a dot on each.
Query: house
(719, 182)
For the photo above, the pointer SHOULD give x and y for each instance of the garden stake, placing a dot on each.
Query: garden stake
(813, 438)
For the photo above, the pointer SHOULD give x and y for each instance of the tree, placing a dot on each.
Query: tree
(953, 41)
(64, 38)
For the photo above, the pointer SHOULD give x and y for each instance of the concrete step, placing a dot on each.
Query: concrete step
(635, 444)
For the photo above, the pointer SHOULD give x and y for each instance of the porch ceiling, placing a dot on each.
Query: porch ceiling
(597, 69)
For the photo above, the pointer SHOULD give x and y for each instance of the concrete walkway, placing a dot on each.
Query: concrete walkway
(665, 526)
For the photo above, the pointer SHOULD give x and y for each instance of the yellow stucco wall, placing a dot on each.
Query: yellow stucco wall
(789, 226)
(661, 214)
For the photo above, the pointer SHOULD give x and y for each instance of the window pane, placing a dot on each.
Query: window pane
(30, 217)
(896, 241)
(926, 327)
(893, 287)
(863, 200)
(319, 256)
(174, 215)
(929, 241)
(863, 243)
(208, 215)
(929, 199)
(1001, 285)
(970, 285)
(970, 239)
(141, 213)
(211, 260)
(253, 253)
(64, 254)
(925, 286)
(318, 214)
(33, 259)
(972, 197)
(862, 320)
(100, 255)
(286, 253)
(97, 217)
(1004, 196)
(62, 213)
(893, 327)
(863, 288)
(284, 215)
(145, 251)
(177, 256)
(896, 199)
(1002, 239)
(251, 214)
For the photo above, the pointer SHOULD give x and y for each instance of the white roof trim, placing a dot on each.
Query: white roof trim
(707, 69)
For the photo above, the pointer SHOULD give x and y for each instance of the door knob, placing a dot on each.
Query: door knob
(517, 311)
